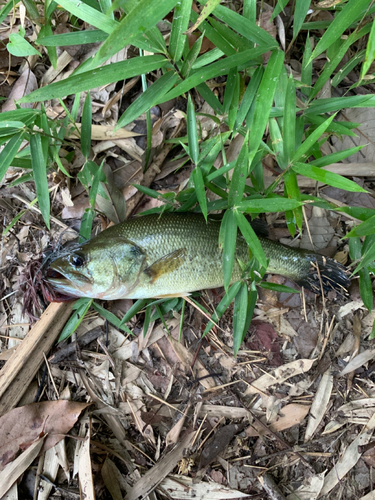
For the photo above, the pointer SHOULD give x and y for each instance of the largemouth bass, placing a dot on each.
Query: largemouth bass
(175, 254)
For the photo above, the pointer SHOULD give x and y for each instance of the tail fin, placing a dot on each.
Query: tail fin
(326, 274)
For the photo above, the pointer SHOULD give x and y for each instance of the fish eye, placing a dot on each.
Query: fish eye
(77, 260)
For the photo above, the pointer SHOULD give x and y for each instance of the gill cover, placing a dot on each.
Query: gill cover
(101, 268)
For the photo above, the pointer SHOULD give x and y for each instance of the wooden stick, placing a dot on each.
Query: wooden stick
(26, 360)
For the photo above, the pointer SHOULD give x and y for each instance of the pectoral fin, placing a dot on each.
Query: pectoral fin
(166, 264)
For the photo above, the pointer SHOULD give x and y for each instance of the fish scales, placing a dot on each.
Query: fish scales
(175, 254)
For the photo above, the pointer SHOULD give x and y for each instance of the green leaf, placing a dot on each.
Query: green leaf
(73, 38)
(364, 229)
(277, 288)
(320, 106)
(86, 127)
(300, 11)
(264, 99)
(5, 10)
(306, 71)
(244, 27)
(96, 78)
(238, 181)
(365, 288)
(200, 190)
(370, 51)
(228, 230)
(327, 177)
(92, 16)
(239, 317)
(251, 239)
(289, 122)
(209, 7)
(351, 11)
(335, 157)
(248, 97)
(215, 69)
(39, 164)
(142, 17)
(311, 140)
(192, 132)
(331, 65)
(278, 204)
(111, 318)
(9, 152)
(80, 309)
(153, 95)
(180, 24)
(192, 56)
(223, 305)
(86, 225)
(20, 47)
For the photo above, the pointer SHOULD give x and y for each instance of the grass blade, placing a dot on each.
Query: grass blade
(239, 317)
(327, 177)
(180, 24)
(153, 95)
(39, 164)
(86, 127)
(351, 11)
(97, 78)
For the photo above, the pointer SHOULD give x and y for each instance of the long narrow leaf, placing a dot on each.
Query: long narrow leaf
(153, 95)
(239, 317)
(145, 15)
(352, 11)
(327, 177)
(180, 23)
(9, 152)
(97, 78)
(251, 238)
(229, 231)
(39, 164)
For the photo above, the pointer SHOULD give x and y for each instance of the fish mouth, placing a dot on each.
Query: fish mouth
(57, 276)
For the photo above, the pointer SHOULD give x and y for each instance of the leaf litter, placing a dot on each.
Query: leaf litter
(183, 418)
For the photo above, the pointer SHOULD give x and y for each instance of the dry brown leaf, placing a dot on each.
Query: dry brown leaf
(160, 470)
(279, 375)
(358, 361)
(86, 482)
(349, 458)
(14, 470)
(184, 488)
(319, 405)
(310, 489)
(25, 84)
(21, 426)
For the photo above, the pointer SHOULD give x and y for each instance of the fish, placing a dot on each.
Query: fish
(175, 254)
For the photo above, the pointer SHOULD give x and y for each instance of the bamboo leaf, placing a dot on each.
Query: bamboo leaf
(180, 23)
(264, 100)
(229, 232)
(351, 11)
(86, 127)
(142, 17)
(209, 7)
(311, 140)
(239, 317)
(97, 78)
(153, 95)
(327, 177)
(259, 205)
(39, 164)
(9, 152)
(192, 132)
(251, 239)
(200, 190)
